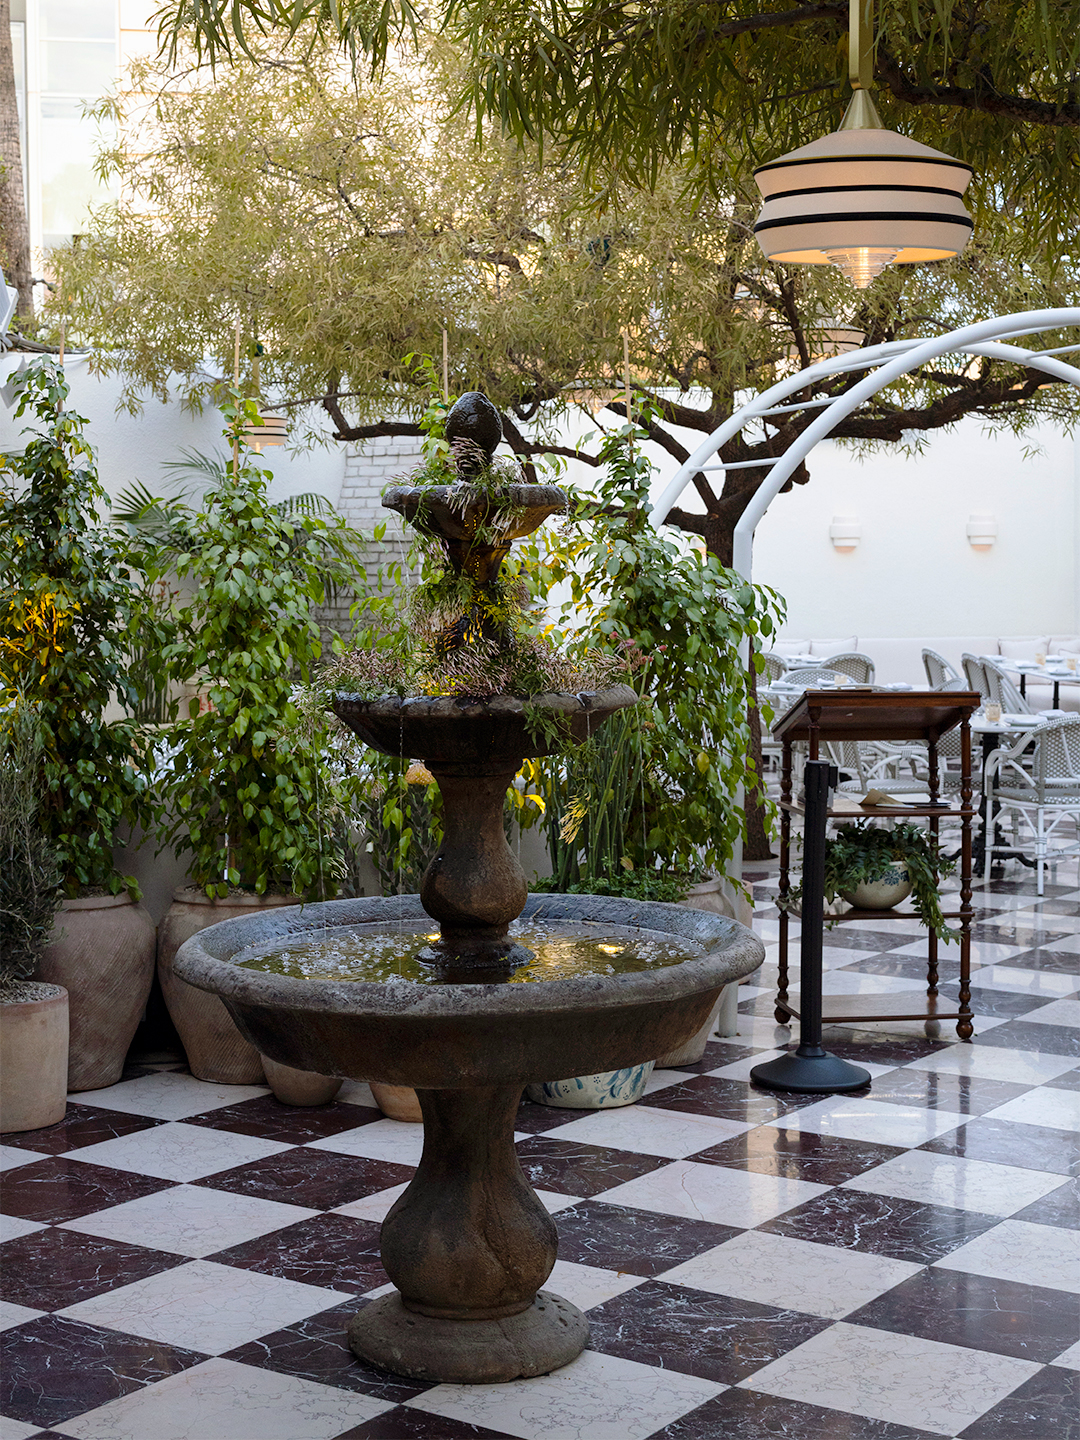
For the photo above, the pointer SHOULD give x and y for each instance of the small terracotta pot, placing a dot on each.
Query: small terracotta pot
(102, 953)
(215, 1048)
(299, 1087)
(34, 1041)
(397, 1102)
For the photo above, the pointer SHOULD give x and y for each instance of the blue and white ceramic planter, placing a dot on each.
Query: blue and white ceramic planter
(605, 1091)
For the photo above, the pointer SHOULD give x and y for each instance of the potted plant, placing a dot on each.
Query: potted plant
(875, 869)
(246, 794)
(71, 600)
(33, 1015)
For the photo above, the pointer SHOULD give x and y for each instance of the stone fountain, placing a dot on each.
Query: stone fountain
(469, 1244)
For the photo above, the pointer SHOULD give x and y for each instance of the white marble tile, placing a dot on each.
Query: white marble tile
(990, 1189)
(1057, 1109)
(887, 927)
(763, 1031)
(857, 1118)
(190, 1220)
(12, 1156)
(221, 1400)
(661, 1079)
(12, 1226)
(712, 1192)
(1018, 1250)
(901, 1379)
(670, 1133)
(595, 1397)
(381, 1140)
(178, 1152)
(357, 1092)
(375, 1207)
(205, 1306)
(792, 1274)
(983, 952)
(168, 1095)
(987, 1062)
(1070, 1358)
(833, 957)
(12, 1315)
(1058, 1012)
(16, 1429)
(589, 1285)
(856, 982)
(740, 1069)
(1037, 920)
(553, 1202)
(1041, 984)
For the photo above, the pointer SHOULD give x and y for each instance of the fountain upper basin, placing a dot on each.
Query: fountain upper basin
(460, 1036)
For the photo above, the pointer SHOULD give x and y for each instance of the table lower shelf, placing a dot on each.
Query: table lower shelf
(908, 1005)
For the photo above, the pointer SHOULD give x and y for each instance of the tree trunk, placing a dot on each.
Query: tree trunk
(14, 231)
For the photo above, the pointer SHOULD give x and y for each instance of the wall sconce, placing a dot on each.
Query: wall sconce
(845, 533)
(982, 531)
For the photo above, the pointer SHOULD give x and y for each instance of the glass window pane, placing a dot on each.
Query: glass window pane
(79, 67)
(68, 184)
(78, 19)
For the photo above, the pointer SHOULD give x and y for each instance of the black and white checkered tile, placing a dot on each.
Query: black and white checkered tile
(180, 1259)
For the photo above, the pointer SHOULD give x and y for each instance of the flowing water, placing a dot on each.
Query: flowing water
(562, 952)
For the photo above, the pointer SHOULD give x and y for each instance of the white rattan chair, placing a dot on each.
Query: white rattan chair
(975, 674)
(775, 667)
(816, 677)
(940, 674)
(859, 667)
(1041, 797)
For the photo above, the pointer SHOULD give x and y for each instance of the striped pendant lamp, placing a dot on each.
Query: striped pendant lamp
(863, 197)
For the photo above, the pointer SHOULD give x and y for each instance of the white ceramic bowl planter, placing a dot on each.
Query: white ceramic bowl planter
(604, 1091)
(883, 893)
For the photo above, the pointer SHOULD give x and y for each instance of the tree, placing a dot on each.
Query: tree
(631, 86)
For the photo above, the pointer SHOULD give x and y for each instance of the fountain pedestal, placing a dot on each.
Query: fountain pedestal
(469, 1241)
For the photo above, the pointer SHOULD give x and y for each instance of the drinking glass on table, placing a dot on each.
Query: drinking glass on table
(993, 714)
(1040, 658)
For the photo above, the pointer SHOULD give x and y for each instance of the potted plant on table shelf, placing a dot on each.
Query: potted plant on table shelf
(33, 1014)
(246, 794)
(872, 868)
(72, 599)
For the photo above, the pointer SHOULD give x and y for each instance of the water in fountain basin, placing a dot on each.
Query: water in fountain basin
(562, 952)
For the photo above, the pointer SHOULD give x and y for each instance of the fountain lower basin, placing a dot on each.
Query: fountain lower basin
(469, 1244)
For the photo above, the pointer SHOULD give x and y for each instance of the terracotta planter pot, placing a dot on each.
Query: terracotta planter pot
(103, 955)
(397, 1102)
(215, 1048)
(34, 1042)
(299, 1087)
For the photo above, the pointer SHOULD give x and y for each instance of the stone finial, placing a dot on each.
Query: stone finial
(475, 418)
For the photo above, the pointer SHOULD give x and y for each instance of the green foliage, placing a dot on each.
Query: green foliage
(251, 789)
(656, 786)
(861, 853)
(30, 874)
(630, 885)
(72, 604)
(400, 808)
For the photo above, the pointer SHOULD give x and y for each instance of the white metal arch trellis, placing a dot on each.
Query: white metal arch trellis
(887, 363)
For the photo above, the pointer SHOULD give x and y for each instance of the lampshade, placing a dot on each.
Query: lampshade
(273, 431)
(863, 198)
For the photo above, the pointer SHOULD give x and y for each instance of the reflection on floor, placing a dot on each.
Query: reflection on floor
(180, 1258)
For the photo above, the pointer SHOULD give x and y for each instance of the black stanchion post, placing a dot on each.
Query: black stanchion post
(810, 1068)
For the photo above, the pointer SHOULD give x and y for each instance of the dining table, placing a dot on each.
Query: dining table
(1054, 670)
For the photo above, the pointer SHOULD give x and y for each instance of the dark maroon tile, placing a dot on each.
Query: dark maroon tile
(52, 1269)
(1046, 1407)
(317, 1179)
(911, 967)
(1069, 1081)
(798, 1155)
(882, 1225)
(717, 1053)
(1048, 1039)
(1061, 1207)
(841, 938)
(1007, 1142)
(750, 1415)
(82, 1125)
(727, 1099)
(878, 1047)
(410, 1424)
(1048, 906)
(937, 1090)
(1001, 1004)
(333, 1251)
(1023, 887)
(1063, 962)
(572, 1169)
(54, 1368)
(538, 1119)
(636, 1242)
(711, 1336)
(269, 1119)
(979, 1313)
(63, 1189)
(317, 1349)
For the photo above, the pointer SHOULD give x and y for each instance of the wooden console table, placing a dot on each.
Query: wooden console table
(822, 716)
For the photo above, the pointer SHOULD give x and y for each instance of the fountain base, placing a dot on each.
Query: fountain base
(550, 1333)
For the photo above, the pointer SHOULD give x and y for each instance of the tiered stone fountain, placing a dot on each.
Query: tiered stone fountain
(469, 1244)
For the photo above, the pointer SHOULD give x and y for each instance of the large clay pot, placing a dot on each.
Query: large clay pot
(34, 1043)
(397, 1102)
(299, 1087)
(102, 954)
(215, 1048)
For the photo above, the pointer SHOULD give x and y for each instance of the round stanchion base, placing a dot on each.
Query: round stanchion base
(810, 1070)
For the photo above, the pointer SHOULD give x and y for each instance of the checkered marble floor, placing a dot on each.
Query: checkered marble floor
(180, 1259)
